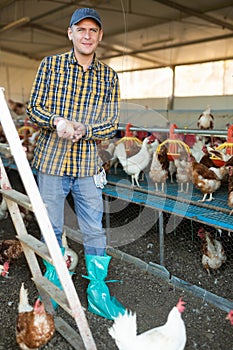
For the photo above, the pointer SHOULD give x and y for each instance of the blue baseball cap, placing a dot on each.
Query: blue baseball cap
(83, 13)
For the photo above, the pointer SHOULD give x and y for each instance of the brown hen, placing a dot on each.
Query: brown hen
(212, 249)
(10, 250)
(34, 327)
(206, 180)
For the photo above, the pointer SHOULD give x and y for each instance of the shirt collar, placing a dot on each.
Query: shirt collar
(94, 65)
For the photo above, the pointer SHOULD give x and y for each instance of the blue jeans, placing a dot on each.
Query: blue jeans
(88, 204)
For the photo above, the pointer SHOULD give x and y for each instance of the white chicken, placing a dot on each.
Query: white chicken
(197, 150)
(170, 336)
(206, 119)
(135, 164)
(151, 148)
(206, 122)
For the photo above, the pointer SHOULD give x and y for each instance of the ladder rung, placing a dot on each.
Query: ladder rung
(69, 333)
(37, 246)
(18, 197)
(54, 292)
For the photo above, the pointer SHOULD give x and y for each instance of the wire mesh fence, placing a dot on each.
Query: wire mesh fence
(135, 228)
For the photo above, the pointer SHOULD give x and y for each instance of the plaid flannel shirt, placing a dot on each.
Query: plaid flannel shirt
(62, 89)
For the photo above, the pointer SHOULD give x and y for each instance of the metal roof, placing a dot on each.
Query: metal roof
(137, 34)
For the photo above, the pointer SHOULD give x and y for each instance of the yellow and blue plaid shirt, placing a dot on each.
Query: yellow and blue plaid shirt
(62, 89)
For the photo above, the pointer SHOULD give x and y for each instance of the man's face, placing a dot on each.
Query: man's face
(85, 36)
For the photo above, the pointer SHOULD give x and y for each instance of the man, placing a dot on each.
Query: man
(75, 101)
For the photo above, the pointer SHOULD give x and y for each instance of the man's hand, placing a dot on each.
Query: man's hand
(69, 130)
(65, 129)
(79, 131)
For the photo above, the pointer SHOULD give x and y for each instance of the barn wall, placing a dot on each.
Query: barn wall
(17, 74)
(187, 109)
(191, 103)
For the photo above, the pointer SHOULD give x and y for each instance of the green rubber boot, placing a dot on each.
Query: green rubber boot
(100, 302)
(52, 276)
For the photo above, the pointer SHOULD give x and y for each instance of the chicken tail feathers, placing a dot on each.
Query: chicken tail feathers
(124, 329)
(23, 300)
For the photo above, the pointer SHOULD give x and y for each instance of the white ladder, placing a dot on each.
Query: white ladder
(50, 250)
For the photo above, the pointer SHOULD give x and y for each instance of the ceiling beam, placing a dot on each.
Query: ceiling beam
(15, 24)
(102, 44)
(140, 54)
(196, 13)
(137, 52)
(5, 3)
(171, 46)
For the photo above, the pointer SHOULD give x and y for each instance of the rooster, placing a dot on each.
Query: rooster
(213, 254)
(34, 326)
(10, 250)
(135, 164)
(170, 336)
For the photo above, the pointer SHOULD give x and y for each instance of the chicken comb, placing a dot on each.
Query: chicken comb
(230, 317)
(38, 306)
(181, 305)
(6, 266)
(151, 138)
